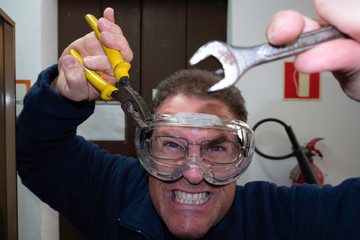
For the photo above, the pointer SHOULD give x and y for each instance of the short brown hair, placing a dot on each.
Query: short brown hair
(194, 83)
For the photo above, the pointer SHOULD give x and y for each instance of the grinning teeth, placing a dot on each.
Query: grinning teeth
(191, 198)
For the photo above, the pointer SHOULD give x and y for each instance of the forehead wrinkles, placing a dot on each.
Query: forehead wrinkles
(194, 134)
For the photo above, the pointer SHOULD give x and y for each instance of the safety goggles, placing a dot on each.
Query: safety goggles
(220, 149)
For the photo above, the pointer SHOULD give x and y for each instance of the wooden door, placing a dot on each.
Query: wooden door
(8, 192)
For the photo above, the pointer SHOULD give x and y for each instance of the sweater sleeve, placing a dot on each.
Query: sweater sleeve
(86, 185)
(302, 211)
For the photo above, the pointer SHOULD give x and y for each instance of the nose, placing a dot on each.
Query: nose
(193, 176)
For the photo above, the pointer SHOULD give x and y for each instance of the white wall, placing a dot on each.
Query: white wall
(334, 117)
(36, 48)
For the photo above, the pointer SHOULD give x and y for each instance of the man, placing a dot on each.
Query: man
(190, 192)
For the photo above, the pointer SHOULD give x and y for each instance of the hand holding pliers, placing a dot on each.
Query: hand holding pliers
(131, 102)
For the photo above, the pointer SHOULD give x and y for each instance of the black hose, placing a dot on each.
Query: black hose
(266, 155)
(305, 167)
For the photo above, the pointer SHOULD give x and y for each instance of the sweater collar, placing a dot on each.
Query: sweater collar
(141, 217)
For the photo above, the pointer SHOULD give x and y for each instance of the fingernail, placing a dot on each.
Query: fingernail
(274, 26)
(68, 62)
(88, 62)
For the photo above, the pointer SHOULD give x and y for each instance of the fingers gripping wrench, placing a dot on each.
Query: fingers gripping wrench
(237, 60)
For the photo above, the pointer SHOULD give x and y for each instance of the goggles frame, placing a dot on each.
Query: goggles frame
(219, 174)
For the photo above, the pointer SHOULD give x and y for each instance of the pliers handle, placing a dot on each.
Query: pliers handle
(98, 82)
(118, 64)
(131, 102)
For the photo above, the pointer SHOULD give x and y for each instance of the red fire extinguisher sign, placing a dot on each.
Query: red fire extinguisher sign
(300, 86)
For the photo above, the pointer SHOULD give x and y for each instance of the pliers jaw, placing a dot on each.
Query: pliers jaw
(132, 103)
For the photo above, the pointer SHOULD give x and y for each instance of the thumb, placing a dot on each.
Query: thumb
(72, 82)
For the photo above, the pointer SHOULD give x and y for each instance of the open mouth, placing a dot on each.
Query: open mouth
(191, 198)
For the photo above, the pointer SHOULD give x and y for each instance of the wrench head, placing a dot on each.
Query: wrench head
(222, 52)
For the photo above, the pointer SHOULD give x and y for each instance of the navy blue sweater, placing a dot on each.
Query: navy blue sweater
(106, 196)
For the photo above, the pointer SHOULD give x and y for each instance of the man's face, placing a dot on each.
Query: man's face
(191, 219)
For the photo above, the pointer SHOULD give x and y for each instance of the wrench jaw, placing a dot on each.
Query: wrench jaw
(223, 53)
(230, 78)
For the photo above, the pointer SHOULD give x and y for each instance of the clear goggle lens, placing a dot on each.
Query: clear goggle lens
(221, 153)
(175, 149)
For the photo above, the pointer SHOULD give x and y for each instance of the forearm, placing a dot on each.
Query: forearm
(47, 125)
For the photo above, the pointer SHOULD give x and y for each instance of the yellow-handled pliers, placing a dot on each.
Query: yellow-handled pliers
(131, 102)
